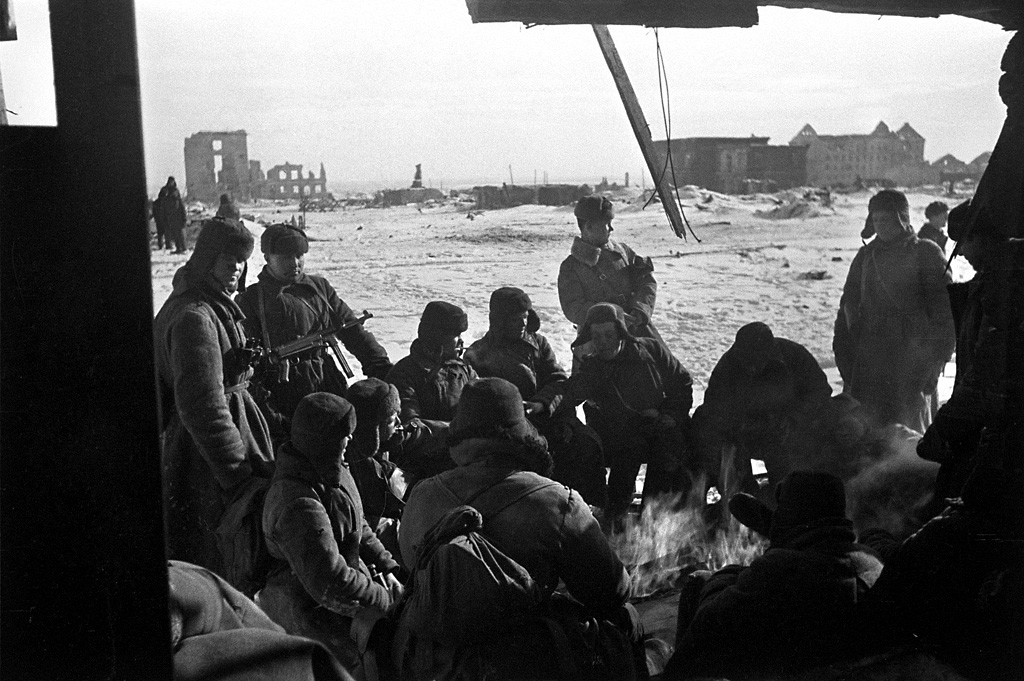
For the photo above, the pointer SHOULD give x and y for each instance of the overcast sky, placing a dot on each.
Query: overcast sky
(371, 89)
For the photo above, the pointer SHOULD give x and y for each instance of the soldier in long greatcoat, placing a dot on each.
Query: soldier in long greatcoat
(894, 331)
(215, 441)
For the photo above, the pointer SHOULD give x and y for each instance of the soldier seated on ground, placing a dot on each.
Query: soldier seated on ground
(762, 398)
(513, 349)
(638, 400)
(794, 607)
(429, 381)
(540, 524)
(333, 575)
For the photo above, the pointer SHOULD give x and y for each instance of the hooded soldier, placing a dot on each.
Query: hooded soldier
(514, 349)
(761, 398)
(894, 331)
(600, 269)
(332, 568)
(638, 400)
(285, 304)
(215, 439)
(796, 606)
(547, 528)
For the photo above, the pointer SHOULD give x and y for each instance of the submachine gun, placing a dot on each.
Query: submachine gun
(278, 359)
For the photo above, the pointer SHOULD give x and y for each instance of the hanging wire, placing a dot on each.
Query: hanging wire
(666, 117)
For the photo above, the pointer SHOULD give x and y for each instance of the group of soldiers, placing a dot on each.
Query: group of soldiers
(352, 479)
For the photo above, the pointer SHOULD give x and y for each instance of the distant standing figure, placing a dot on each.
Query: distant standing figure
(227, 208)
(894, 331)
(602, 270)
(152, 208)
(936, 214)
(169, 209)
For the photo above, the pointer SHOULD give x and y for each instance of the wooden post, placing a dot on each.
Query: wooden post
(640, 127)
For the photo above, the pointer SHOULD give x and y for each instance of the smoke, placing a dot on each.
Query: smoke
(894, 487)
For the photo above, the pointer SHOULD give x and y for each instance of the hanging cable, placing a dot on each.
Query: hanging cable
(666, 116)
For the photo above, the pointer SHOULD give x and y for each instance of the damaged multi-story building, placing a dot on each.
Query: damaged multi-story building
(882, 157)
(744, 164)
(286, 181)
(218, 163)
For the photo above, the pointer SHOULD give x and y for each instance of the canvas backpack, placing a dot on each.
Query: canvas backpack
(464, 588)
(240, 540)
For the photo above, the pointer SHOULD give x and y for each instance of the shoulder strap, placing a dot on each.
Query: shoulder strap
(260, 293)
(496, 504)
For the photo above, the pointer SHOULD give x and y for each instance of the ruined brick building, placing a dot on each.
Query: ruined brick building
(286, 181)
(881, 157)
(218, 163)
(732, 165)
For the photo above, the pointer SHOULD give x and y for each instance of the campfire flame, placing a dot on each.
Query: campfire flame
(671, 538)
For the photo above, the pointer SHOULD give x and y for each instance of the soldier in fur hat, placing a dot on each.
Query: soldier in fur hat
(286, 303)
(794, 607)
(639, 398)
(600, 269)
(332, 569)
(215, 439)
(501, 469)
(429, 382)
(514, 349)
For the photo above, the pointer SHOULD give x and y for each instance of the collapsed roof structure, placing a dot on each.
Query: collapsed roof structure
(82, 524)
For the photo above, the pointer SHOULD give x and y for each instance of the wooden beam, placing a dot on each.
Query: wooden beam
(640, 128)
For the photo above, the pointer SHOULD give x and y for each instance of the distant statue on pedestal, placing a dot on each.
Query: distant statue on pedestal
(417, 179)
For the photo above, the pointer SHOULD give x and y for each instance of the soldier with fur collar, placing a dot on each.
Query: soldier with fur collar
(600, 269)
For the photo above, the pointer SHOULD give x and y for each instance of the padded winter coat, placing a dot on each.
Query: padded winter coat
(612, 274)
(795, 606)
(429, 389)
(327, 548)
(215, 438)
(644, 375)
(550, 532)
(528, 363)
(296, 310)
